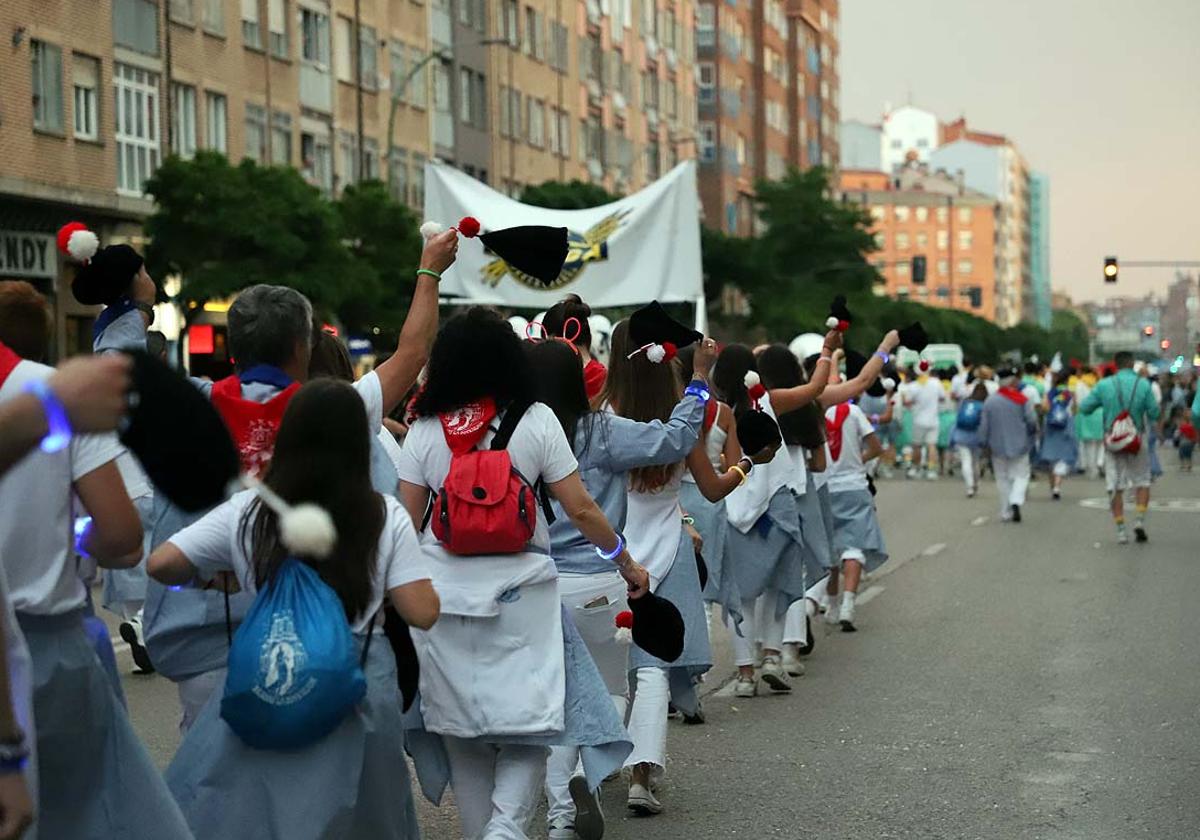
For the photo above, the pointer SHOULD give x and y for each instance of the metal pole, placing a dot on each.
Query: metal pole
(358, 85)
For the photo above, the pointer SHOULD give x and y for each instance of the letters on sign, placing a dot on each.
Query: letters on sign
(27, 255)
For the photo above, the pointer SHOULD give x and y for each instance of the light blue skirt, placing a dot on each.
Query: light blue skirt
(771, 555)
(817, 555)
(681, 587)
(1058, 445)
(352, 783)
(95, 779)
(713, 525)
(591, 724)
(856, 527)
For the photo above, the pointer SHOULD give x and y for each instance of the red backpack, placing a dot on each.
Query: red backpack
(485, 506)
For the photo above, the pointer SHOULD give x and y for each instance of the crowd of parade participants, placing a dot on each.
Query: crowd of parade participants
(538, 543)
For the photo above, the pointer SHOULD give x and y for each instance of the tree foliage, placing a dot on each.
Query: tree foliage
(223, 227)
(570, 195)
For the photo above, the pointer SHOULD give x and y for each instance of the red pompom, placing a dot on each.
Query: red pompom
(468, 226)
(670, 351)
(843, 325)
(757, 392)
(924, 365)
(64, 235)
(624, 620)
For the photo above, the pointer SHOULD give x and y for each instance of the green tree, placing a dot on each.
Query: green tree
(572, 195)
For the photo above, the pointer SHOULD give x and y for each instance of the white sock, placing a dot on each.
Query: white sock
(848, 600)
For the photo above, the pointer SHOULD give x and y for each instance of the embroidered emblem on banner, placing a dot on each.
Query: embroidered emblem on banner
(281, 675)
(582, 249)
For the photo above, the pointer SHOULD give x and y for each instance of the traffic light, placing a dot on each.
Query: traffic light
(1165, 344)
(1110, 269)
(918, 270)
(1148, 331)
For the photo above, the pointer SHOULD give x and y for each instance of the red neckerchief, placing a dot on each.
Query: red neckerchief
(833, 429)
(594, 375)
(8, 361)
(1013, 394)
(252, 425)
(710, 414)
(465, 427)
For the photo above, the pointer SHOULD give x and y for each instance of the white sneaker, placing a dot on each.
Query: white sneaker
(642, 802)
(791, 661)
(847, 616)
(745, 687)
(131, 632)
(772, 674)
(831, 612)
(589, 817)
(1122, 535)
(931, 475)
(561, 831)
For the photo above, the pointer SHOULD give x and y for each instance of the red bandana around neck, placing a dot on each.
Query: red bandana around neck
(465, 427)
(252, 425)
(8, 361)
(1013, 394)
(594, 374)
(833, 429)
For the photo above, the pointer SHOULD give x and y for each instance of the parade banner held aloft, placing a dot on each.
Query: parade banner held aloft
(640, 248)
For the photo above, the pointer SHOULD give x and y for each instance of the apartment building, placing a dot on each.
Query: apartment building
(934, 236)
(767, 88)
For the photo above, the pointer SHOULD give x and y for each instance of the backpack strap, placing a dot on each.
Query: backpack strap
(512, 416)
(228, 620)
(362, 662)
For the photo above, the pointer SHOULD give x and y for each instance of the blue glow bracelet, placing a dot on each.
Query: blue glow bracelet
(699, 391)
(610, 556)
(83, 527)
(884, 356)
(59, 434)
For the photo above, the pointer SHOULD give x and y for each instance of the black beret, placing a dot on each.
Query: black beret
(536, 250)
(657, 627)
(756, 431)
(653, 325)
(106, 276)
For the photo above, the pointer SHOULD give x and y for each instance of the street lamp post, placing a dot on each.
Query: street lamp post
(399, 92)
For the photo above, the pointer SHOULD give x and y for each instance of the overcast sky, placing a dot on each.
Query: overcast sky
(1101, 95)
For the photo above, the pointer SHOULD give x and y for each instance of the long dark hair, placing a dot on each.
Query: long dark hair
(641, 390)
(729, 376)
(476, 354)
(557, 371)
(322, 455)
(572, 306)
(779, 368)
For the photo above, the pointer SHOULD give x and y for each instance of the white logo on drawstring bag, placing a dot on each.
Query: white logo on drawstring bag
(281, 663)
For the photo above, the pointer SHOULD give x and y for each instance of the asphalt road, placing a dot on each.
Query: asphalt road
(1008, 681)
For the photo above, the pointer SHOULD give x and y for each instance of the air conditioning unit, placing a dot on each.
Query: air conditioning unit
(595, 169)
(618, 101)
(652, 118)
(651, 47)
(594, 92)
(672, 58)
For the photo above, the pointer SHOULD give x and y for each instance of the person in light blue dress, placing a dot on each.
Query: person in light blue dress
(1059, 450)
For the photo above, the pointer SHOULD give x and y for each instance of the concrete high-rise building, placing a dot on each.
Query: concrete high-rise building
(907, 132)
(1040, 309)
(767, 87)
(992, 164)
(918, 214)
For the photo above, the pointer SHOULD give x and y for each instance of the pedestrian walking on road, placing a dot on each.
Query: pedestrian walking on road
(965, 437)
(1128, 398)
(1007, 428)
(1089, 428)
(1059, 450)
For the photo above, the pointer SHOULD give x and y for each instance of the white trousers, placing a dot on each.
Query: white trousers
(648, 718)
(582, 596)
(496, 786)
(1012, 481)
(1092, 456)
(759, 623)
(795, 628)
(966, 457)
(194, 693)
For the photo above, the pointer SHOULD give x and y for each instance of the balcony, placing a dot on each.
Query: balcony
(316, 88)
(441, 27)
(443, 129)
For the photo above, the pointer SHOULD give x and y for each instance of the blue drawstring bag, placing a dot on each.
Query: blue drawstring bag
(969, 414)
(1060, 414)
(293, 670)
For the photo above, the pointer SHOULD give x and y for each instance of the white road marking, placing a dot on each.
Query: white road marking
(1163, 505)
(934, 550)
(870, 595)
(980, 520)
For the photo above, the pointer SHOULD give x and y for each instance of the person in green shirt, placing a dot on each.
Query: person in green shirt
(1126, 391)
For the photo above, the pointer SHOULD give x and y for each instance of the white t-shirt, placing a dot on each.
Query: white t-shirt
(38, 510)
(538, 449)
(390, 446)
(848, 472)
(923, 399)
(212, 545)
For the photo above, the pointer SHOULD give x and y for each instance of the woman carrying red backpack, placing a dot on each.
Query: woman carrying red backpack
(503, 677)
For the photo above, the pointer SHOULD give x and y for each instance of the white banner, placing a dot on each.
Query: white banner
(640, 248)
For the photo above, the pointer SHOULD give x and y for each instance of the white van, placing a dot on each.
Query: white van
(940, 356)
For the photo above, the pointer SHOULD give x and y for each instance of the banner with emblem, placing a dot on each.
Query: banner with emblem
(640, 248)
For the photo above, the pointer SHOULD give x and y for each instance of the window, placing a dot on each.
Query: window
(650, 89)
(479, 102)
(530, 31)
(922, 240)
(85, 77)
(901, 240)
(943, 214)
(943, 267)
(314, 37)
(368, 45)
(878, 213)
(316, 161)
(653, 161)
(880, 241)
(902, 269)
(708, 142)
(943, 240)
(741, 150)
(965, 266)
(706, 80)
(552, 140)
(399, 68)
(214, 16)
(47, 86)
(921, 213)
(343, 49)
(418, 86)
(370, 158)
(135, 25)
(418, 180)
(251, 30)
(512, 22)
(348, 152)
(964, 215)
(281, 138)
(216, 121)
(943, 292)
(901, 214)
(256, 133)
(183, 127)
(965, 239)
(464, 95)
(537, 123)
(564, 132)
(137, 132)
(181, 10)
(398, 174)
(559, 54)
(706, 17)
